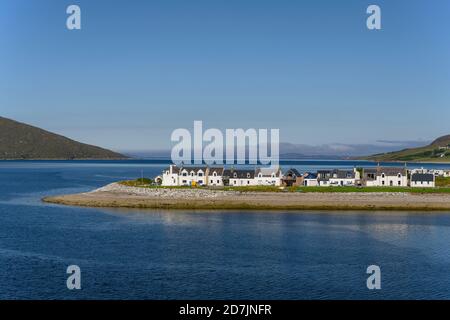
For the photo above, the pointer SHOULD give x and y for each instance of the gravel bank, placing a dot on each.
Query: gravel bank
(117, 195)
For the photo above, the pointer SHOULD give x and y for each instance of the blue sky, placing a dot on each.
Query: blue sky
(139, 69)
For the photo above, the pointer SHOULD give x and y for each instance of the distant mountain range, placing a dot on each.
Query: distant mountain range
(22, 141)
(436, 151)
(289, 151)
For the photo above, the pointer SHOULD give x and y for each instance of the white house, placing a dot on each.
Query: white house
(240, 177)
(170, 176)
(268, 176)
(310, 179)
(369, 178)
(423, 180)
(392, 177)
(215, 176)
(343, 178)
(385, 176)
(193, 176)
(323, 177)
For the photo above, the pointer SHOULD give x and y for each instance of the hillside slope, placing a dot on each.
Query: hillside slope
(22, 141)
(437, 151)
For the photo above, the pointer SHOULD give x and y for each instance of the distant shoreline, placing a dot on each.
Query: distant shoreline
(168, 160)
(119, 196)
(65, 159)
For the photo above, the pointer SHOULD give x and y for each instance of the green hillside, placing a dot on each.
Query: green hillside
(437, 151)
(22, 141)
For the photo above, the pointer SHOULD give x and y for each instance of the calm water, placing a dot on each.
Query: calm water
(137, 254)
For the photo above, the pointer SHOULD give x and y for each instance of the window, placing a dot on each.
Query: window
(399, 175)
(211, 181)
(192, 173)
(218, 181)
(399, 183)
(184, 181)
(383, 175)
(200, 174)
(215, 174)
(235, 175)
(248, 175)
(184, 174)
(248, 182)
(234, 181)
(382, 182)
(260, 175)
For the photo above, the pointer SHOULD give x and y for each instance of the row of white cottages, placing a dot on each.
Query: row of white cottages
(370, 177)
(219, 176)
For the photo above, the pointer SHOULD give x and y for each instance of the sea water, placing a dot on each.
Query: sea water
(154, 254)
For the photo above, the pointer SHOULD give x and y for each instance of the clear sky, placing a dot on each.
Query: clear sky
(139, 69)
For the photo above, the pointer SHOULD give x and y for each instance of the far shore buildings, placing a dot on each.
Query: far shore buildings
(240, 177)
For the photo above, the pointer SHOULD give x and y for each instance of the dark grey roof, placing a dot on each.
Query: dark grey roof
(310, 175)
(324, 175)
(343, 174)
(239, 173)
(422, 177)
(175, 169)
(391, 171)
(388, 171)
(219, 171)
(292, 172)
(267, 172)
(195, 169)
(227, 172)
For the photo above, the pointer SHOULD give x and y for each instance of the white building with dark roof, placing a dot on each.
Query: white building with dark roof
(310, 179)
(170, 176)
(343, 178)
(240, 177)
(215, 177)
(423, 180)
(190, 176)
(385, 176)
(323, 177)
(268, 176)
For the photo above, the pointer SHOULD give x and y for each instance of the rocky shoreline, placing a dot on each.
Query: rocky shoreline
(121, 196)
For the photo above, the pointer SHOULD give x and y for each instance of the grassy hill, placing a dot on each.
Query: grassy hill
(22, 141)
(437, 151)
